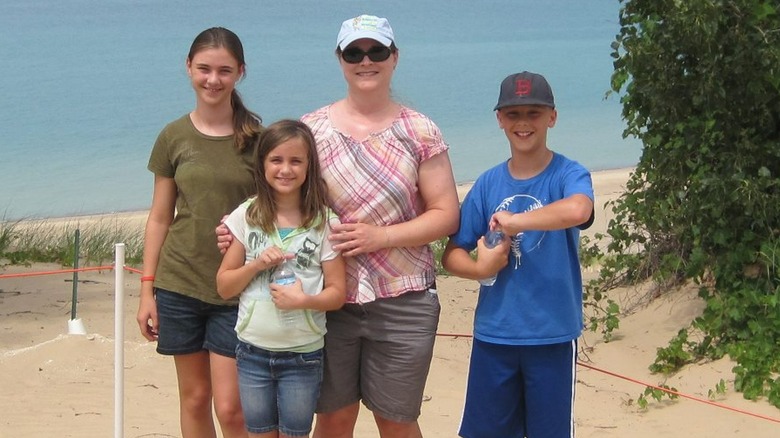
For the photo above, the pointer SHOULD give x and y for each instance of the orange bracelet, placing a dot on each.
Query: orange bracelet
(147, 278)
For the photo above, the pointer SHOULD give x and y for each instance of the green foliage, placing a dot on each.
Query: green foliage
(675, 355)
(438, 249)
(26, 242)
(720, 389)
(601, 313)
(699, 81)
(656, 394)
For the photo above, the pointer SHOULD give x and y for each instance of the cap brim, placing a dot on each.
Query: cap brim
(364, 34)
(522, 102)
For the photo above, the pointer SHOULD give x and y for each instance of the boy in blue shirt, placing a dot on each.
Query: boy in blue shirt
(522, 369)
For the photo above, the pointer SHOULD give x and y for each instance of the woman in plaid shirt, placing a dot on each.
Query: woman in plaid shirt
(390, 181)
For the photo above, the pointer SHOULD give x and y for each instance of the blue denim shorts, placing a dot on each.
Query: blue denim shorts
(278, 389)
(188, 325)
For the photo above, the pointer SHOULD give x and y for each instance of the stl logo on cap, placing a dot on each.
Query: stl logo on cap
(522, 87)
(525, 88)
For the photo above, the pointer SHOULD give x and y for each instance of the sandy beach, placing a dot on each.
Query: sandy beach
(59, 384)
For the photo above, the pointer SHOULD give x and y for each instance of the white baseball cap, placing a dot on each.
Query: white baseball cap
(365, 26)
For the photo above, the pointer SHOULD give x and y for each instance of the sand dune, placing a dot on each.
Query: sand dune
(56, 384)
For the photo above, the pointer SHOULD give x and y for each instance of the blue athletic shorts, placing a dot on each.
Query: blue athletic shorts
(520, 391)
(189, 325)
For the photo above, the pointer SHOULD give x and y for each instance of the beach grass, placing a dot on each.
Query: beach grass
(23, 242)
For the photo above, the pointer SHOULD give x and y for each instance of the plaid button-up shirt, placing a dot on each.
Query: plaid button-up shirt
(374, 181)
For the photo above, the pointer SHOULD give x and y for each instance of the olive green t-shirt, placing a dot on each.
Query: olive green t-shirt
(212, 178)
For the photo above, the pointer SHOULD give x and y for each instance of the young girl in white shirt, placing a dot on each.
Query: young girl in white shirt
(281, 328)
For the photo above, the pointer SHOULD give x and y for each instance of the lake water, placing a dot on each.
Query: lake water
(88, 84)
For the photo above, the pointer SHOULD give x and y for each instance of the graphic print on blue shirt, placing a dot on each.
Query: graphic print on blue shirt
(530, 241)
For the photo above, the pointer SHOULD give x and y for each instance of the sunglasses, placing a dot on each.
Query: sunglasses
(353, 55)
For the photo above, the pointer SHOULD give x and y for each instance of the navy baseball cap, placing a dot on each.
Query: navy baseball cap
(525, 88)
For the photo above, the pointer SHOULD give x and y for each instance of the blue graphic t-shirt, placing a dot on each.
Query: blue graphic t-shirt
(537, 297)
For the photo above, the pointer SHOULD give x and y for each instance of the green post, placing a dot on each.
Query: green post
(75, 276)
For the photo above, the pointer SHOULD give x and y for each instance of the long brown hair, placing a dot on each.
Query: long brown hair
(314, 208)
(246, 124)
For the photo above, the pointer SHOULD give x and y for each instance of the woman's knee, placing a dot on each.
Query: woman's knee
(340, 423)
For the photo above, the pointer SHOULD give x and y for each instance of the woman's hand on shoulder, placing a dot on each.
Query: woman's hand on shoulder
(358, 238)
(224, 237)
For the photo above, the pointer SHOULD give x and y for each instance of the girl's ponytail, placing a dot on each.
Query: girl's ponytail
(246, 124)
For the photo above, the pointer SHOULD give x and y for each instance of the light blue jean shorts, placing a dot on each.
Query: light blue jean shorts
(278, 389)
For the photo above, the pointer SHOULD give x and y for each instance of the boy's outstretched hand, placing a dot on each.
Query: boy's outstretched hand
(502, 220)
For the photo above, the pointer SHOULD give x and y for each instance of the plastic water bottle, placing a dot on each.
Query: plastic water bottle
(492, 239)
(285, 275)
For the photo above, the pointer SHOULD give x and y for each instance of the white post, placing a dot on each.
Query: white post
(119, 339)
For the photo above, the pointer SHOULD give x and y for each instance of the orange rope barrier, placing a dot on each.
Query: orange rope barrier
(61, 271)
(680, 394)
(66, 271)
(670, 391)
(452, 335)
